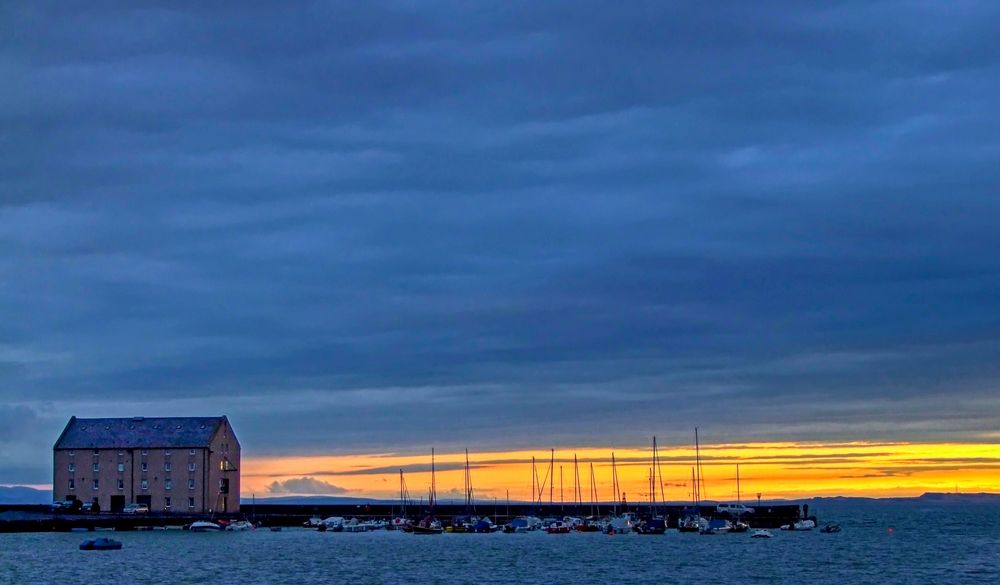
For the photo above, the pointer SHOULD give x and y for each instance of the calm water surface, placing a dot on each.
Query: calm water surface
(927, 544)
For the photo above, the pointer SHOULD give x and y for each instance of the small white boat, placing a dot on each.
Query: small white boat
(801, 525)
(240, 526)
(203, 526)
(761, 533)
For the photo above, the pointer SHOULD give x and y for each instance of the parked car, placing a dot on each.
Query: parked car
(136, 509)
(734, 509)
(67, 506)
(91, 508)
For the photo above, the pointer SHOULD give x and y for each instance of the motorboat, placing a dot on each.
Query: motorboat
(204, 526)
(621, 524)
(801, 525)
(830, 528)
(653, 526)
(761, 533)
(558, 527)
(717, 526)
(240, 526)
(690, 523)
(314, 522)
(100, 544)
(427, 526)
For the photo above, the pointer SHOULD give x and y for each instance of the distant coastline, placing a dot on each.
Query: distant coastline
(25, 495)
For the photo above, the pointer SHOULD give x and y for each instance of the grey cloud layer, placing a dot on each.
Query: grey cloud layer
(387, 226)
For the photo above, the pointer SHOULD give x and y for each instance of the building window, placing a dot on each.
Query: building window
(97, 451)
(144, 466)
(166, 466)
(72, 453)
(190, 502)
(72, 483)
(121, 467)
(166, 502)
(121, 484)
(145, 452)
(96, 485)
(168, 484)
(97, 467)
(72, 467)
(224, 485)
(166, 453)
(144, 484)
(190, 466)
(120, 453)
(190, 484)
(191, 452)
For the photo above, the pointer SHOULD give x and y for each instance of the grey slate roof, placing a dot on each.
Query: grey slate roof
(138, 432)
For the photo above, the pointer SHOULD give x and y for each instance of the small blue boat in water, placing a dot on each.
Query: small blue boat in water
(100, 544)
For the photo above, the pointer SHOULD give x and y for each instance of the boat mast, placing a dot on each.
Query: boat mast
(614, 482)
(534, 480)
(468, 484)
(594, 501)
(697, 458)
(552, 473)
(577, 490)
(433, 495)
(562, 494)
(738, 501)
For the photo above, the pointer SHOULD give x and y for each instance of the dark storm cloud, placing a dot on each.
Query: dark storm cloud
(386, 226)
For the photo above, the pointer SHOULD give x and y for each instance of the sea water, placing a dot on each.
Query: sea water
(901, 542)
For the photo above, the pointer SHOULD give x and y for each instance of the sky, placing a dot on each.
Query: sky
(365, 230)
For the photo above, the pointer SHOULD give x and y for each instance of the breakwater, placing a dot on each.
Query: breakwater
(41, 519)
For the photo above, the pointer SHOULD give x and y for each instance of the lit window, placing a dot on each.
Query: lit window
(144, 466)
(190, 484)
(121, 484)
(72, 467)
(168, 484)
(144, 484)
(190, 466)
(166, 466)
(121, 467)
(72, 483)
(96, 485)
(166, 502)
(97, 467)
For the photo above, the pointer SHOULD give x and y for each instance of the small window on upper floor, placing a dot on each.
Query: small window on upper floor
(166, 453)
(97, 467)
(190, 466)
(97, 485)
(191, 452)
(121, 484)
(97, 451)
(145, 452)
(144, 484)
(72, 483)
(72, 467)
(166, 466)
(72, 453)
(121, 467)
(144, 466)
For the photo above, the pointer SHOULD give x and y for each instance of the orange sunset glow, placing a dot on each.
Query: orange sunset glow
(776, 470)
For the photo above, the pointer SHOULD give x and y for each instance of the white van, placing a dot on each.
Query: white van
(734, 509)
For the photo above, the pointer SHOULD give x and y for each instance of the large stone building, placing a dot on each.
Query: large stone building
(181, 465)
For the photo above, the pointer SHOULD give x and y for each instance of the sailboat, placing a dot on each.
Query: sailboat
(655, 524)
(429, 525)
(620, 522)
(691, 520)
